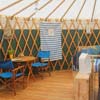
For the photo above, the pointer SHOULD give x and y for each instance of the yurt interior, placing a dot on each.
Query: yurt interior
(49, 49)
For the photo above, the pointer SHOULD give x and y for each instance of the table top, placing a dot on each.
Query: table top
(24, 59)
(82, 76)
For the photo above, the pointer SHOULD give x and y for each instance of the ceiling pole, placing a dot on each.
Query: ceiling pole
(80, 10)
(68, 9)
(25, 8)
(55, 9)
(93, 10)
(10, 5)
(41, 8)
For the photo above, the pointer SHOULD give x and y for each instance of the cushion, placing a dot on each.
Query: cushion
(6, 64)
(6, 75)
(94, 50)
(39, 64)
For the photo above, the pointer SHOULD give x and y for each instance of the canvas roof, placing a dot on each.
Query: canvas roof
(61, 9)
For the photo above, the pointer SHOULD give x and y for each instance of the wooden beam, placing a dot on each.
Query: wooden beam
(25, 8)
(68, 9)
(10, 5)
(93, 10)
(80, 10)
(55, 9)
(41, 8)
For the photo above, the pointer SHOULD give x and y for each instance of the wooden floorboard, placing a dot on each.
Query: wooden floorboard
(59, 86)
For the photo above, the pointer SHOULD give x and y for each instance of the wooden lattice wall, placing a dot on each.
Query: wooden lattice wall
(26, 39)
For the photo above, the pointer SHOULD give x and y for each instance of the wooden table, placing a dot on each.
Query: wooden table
(27, 60)
(82, 87)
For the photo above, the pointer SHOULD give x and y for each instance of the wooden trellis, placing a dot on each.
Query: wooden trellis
(26, 39)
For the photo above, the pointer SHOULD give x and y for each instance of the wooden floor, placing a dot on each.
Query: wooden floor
(59, 86)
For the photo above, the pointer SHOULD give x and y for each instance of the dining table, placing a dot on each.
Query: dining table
(27, 60)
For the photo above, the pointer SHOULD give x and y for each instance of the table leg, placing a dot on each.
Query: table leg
(30, 73)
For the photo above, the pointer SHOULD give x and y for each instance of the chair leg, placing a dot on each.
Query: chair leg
(49, 72)
(46, 69)
(14, 87)
(39, 72)
(23, 82)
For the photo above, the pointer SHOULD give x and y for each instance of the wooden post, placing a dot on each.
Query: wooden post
(92, 79)
(0, 44)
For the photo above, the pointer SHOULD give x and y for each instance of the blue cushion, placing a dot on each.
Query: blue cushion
(39, 64)
(18, 74)
(6, 64)
(44, 54)
(6, 75)
(92, 51)
(95, 50)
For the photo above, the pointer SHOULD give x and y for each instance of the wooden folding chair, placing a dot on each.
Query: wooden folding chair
(43, 63)
(10, 75)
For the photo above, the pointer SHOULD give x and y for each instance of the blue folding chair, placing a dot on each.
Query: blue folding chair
(43, 63)
(10, 75)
